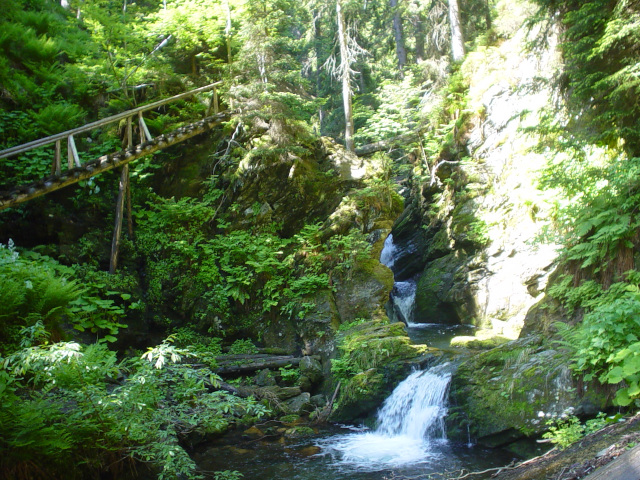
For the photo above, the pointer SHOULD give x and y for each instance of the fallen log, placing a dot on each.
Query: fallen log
(241, 366)
(385, 144)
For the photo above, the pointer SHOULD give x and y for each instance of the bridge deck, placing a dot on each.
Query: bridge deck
(89, 169)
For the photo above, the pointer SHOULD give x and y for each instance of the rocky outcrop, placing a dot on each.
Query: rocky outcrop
(480, 258)
(512, 391)
(481, 255)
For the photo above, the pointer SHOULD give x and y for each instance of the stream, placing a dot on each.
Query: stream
(410, 439)
(409, 442)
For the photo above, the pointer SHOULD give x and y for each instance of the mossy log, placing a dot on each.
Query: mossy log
(386, 144)
(248, 363)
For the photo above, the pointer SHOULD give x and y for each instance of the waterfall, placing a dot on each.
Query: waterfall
(403, 294)
(403, 297)
(410, 426)
(417, 407)
(388, 252)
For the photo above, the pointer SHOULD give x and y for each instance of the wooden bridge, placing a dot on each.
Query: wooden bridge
(77, 171)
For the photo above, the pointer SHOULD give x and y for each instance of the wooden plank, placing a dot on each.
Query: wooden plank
(145, 136)
(117, 231)
(129, 133)
(100, 123)
(625, 467)
(216, 105)
(73, 153)
(106, 162)
(56, 168)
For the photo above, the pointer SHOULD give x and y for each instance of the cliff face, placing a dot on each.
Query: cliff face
(483, 212)
(472, 238)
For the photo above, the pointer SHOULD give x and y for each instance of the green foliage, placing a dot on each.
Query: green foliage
(399, 111)
(33, 291)
(38, 292)
(237, 276)
(600, 46)
(564, 432)
(289, 375)
(227, 475)
(243, 347)
(68, 410)
(606, 345)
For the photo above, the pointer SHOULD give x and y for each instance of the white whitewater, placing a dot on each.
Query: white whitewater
(403, 295)
(387, 256)
(411, 424)
(403, 298)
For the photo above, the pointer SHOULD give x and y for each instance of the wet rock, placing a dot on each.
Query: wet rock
(366, 292)
(318, 401)
(299, 432)
(254, 432)
(265, 378)
(512, 391)
(280, 393)
(291, 420)
(300, 404)
(312, 369)
(305, 383)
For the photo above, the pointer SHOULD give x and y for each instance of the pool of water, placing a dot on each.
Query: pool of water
(315, 459)
(437, 335)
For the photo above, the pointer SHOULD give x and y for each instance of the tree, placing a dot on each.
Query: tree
(398, 35)
(457, 39)
(344, 73)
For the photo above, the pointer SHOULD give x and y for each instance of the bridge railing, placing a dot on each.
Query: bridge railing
(68, 136)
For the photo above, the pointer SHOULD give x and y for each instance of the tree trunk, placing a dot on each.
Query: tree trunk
(345, 75)
(386, 144)
(232, 365)
(457, 39)
(398, 34)
(420, 34)
(317, 43)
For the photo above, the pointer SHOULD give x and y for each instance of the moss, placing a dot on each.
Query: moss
(478, 343)
(372, 360)
(504, 393)
(299, 432)
(291, 419)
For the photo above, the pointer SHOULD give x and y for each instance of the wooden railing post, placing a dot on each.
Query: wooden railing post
(72, 153)
(123, 186)
(56, 168)
(213, 103)
(145, 136)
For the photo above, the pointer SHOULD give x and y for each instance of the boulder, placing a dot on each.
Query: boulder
(312, 369)
(300, 404)
(512, 391)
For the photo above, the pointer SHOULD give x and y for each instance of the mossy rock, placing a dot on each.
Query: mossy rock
(299, 432)
(291, 420)
(433, 287)
(478, 342)
(365, 292)
(509, 392)
(376, 354)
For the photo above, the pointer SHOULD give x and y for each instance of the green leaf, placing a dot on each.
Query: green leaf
(622, 398)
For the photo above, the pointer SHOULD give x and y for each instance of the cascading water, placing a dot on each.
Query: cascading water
(403, 297)
(387, 256)
(403, 294)
(410, 426)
